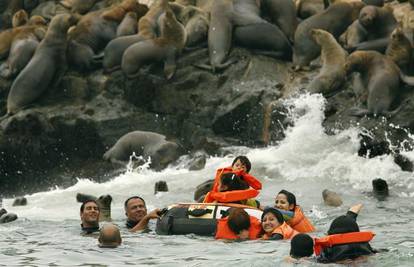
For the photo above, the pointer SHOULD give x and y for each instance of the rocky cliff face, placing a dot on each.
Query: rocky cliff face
(67, 131)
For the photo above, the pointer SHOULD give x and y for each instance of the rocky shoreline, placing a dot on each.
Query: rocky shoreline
(65, 134)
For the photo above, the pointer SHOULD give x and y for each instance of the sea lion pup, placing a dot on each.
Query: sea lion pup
(46, 67)
(381, 78)
(147, 29)
(331, 198)
(23, 47)
(379, 22)
(353, 35)
(20, 18)
(283, 14)
(145, 144)
(399, 49)
(78, 6)
(128, 26)
(332, 74)
(95, 30)
(334, 20)
(380, 189)
(165, 48)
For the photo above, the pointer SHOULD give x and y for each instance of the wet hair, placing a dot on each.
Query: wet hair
(289, 196)
(301, 245)
(133, 197)
(343, 224)
(233, 181)
(82, 207)
(238, 220)
(109, 236)
(275, 212)
(245, 161)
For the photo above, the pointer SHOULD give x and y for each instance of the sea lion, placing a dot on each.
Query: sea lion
(381, 78)
(399, 49)
(95, 30)
(23, 47)
(20, 18)
(160, 186)
(308, 8)
(147, 29)
(79, 6)
(380, 189)
(164, 48)
(6, 17)
(8, 217)
(353, 35)
(146, 144)
(332, 74)
(29, 5)
(331, 198)
(80, 197)
(128, 26)
(202, 190)
(379, 22)
(283, 14)
(334, 20)
(46, 67)
(2, 211)
(20, 201)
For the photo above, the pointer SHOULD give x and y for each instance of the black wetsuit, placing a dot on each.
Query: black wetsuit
(89, 230)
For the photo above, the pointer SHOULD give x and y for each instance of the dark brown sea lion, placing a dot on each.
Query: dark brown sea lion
(147, 29)
(283, 14)
(308, 8)
(128, 26)
(20, 18)
(6, 17)
(332, 75)
(380, 189)
(381, 78)
(46, 67)
(164, 48)
(331, 198)
(95, 30)
(146, 144)
(399, 49)
(79, 6)
(334, 20)
(379, 22)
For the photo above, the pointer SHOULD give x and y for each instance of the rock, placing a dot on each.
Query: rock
(203, 189)
(20, 201)
(2, 211)
(8, 217)
(331, 198)
(160, 186)
(380, 189)
(198, 161)
(80, 197)
(404, 163)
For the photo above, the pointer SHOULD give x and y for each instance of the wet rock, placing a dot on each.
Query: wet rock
(80, 197)
(331, 198)
(3, 211)
(380, 189)
(160, 186)
(198, 161)
(404, 163)
(20, 201)
(202, 189)
(8, 217)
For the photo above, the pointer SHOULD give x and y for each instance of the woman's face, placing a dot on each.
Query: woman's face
(269, 223)
(282, 203)
(238, 166)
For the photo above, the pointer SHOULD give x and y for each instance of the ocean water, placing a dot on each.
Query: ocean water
(306, 162)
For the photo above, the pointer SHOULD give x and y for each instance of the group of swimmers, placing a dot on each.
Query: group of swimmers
(284, 221)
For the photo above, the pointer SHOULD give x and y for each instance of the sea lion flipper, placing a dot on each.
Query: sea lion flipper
(409, 80)
(215, 68)
(169, 63)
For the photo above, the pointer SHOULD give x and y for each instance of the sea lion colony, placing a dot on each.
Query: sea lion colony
(126, 35)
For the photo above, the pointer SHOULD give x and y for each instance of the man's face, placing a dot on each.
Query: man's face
(136, 209)
(90, 214)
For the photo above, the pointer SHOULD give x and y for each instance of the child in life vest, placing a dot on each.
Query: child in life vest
(239, 225)
(274, 226)
(285, 200)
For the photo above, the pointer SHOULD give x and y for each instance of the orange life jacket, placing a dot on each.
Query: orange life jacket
(224, 232)
(235, 195)
(299, 222)
(338, 239)
(284, 230)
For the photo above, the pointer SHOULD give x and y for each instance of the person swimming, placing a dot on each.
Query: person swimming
(301, 249)
(238, 225)
(274, 225)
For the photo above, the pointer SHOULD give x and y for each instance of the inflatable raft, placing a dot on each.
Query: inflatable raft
(197, 218)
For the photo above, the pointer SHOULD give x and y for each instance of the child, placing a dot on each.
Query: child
(301, 248)
(238, 225)
(285, 200)
(274, 226)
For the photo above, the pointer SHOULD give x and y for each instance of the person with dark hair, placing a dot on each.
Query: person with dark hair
(89, 214)
(240, 168)
(137, 216)
(238, 225)
(301, 248)
(344, 240)
(285, 200)
(109, 236)
(274, 225)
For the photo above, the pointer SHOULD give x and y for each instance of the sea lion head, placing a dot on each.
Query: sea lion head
(355, 61)
(318, 35)
(63, 22)
(368, 15)
(196, 28)
(20, 18)
(165, 154)
(397, 34)
(37, 20)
